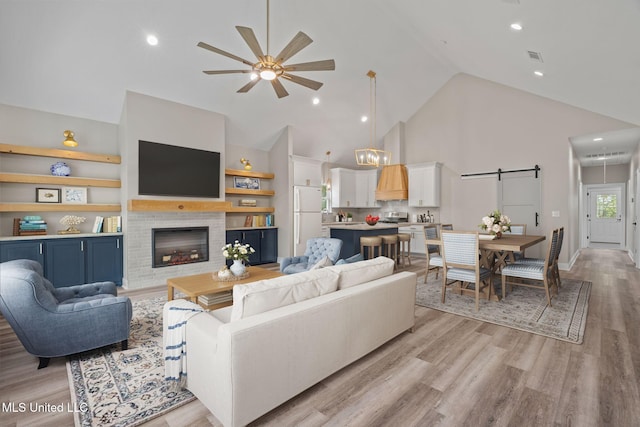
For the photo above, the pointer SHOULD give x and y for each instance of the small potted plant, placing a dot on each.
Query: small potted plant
(349, 217)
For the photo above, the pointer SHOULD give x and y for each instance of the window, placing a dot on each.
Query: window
(606, 206)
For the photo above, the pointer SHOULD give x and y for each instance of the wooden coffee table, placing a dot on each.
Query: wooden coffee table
(208, 284)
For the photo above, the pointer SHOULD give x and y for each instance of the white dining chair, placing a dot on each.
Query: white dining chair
(462, 264)
(533, 274)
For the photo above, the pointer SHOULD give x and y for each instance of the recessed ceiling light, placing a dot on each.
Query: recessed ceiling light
(316, 101)
(516, 26)
(364, 119)
(538, 73)
(597, 139)
(152, 40)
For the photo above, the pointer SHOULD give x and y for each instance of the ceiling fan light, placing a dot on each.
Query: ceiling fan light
(253, 76)
(268, 74)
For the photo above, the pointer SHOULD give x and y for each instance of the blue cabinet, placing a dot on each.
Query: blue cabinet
(71, 261)
(104, 259)
(28, 249)
(264, 241)
(64, 262)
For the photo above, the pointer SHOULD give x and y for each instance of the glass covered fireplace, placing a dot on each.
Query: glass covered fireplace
(173, 246)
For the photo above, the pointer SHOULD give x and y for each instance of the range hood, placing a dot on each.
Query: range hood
(393, 183)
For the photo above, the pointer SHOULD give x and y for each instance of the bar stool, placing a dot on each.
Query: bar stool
(371, 242)
(390, 248)
(404, 241)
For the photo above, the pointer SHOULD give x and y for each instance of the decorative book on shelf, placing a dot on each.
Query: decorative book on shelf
(29, 226)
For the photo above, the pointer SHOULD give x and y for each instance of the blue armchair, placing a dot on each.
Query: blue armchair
(52, 322)
(317, 248)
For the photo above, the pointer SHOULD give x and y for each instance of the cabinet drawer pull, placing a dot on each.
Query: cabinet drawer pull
(117, 243)
(81, 245)
(40, 248)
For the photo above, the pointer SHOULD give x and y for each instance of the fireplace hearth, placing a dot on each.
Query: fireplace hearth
(176, 246)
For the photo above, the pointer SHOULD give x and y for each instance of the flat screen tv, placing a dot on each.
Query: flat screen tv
(169, 170)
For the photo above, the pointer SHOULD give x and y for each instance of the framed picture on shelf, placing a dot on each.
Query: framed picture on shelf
(74, 195)
(246, 183)
(47, 195)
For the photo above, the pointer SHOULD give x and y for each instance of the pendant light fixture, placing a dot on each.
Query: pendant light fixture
(372, 156)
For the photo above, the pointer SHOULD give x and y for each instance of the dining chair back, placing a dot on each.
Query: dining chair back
(432, 248)
(534, 274)
(461, 263)
(520, 230)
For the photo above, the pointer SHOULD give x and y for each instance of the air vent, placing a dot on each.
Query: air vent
(607, 155)
(536, 56)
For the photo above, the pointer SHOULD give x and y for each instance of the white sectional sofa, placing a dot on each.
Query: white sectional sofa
(283, 335)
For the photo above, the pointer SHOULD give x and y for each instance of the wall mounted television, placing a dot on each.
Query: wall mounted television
(169, 170)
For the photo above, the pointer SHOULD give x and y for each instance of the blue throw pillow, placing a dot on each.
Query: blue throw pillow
(340, 262)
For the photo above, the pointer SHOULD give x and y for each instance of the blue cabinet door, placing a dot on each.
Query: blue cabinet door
(253, 238)
(104, 259)
(65, 262)
(269, 246)
(29, 249)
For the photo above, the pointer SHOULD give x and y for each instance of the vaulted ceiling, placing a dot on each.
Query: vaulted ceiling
(79, 57)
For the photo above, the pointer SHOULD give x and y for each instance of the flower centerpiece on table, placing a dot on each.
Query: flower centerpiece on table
(238, 253)
(496, 223)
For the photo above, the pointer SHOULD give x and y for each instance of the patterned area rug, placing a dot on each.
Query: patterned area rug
(524, 308)
(125, 388)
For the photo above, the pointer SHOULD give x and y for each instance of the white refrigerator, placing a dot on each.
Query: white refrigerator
(307, 216)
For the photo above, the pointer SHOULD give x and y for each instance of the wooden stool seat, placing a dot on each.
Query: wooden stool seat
(390, 247)
(371, 243)
(404, 241)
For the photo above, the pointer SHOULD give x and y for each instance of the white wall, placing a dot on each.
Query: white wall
(596, 174)
(283, 200)
(474, 125)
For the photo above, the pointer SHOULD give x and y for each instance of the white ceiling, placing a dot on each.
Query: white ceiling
(79, 57)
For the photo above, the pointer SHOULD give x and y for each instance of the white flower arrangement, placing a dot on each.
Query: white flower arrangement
(496, 223)
(237, 250)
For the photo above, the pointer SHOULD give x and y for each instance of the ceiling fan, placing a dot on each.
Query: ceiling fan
(272, 68)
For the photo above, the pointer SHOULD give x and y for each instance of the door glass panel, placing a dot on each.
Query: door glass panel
(606, 206)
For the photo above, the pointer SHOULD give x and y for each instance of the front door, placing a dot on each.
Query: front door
(606, 215)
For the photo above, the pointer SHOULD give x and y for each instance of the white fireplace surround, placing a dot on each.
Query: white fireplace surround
(138, 271)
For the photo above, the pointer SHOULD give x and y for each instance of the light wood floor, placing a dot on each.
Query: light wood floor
(451, 371)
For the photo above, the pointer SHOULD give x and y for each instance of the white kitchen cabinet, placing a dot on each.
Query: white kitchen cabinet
(424, 185)
(417, 238)
(366, 184)
(354, 188)
(343, 188)
(306, 171)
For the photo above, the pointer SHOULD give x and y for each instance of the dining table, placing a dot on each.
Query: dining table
(495, 253)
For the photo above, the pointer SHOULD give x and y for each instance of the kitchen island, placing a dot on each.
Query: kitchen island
(350, 235)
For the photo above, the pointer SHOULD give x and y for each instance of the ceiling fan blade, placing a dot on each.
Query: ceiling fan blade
(223, 53)
(248, 86)
(324, 65)
(280, 90)
(311, 84)
(250, 38)
(226, 71)
(297, 43)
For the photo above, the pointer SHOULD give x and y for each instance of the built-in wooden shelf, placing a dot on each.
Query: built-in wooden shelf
(23, 178)
(63, 154)
(140, 205)
(58, 207)
(246, 192)
(248, 174)
(245, 209)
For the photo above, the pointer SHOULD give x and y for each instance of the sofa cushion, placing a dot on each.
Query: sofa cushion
(324, 262)
(356, 273)
(265, 295)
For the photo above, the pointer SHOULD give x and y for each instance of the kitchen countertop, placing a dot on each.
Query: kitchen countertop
(363, 226)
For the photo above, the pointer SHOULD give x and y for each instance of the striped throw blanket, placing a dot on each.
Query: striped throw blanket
(175, 316)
